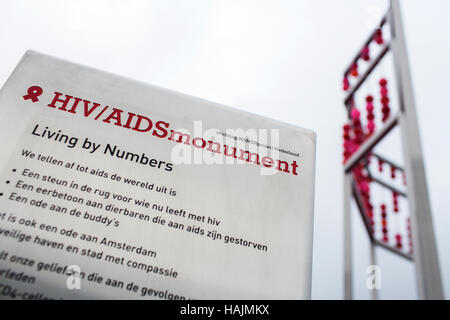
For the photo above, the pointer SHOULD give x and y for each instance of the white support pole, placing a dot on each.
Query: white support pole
(373, 262)
(348, 295)
(425, 252)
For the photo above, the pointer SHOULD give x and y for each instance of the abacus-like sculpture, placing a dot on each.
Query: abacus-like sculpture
(361, 136)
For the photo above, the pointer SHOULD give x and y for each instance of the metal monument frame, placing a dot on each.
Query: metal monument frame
(425, 255)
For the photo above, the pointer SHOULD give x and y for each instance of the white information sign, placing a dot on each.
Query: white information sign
(114, 189)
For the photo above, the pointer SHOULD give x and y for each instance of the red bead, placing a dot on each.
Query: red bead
(345, 84)
(380, 165)
(378, 36)
(355, 114)
(364, 186)
(365, 53)
(393, 172)
(383, 82)
(354, 70)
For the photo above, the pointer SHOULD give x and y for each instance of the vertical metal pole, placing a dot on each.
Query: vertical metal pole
(373, 262)
(348, 295)
(425, 252)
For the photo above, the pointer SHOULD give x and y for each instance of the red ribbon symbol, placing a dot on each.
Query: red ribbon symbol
(33, 93)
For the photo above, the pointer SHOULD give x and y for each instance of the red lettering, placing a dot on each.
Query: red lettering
(138, 124)
(115, 115)
(130, 118)
(267, 162)
(180, 137)
(144, 124)
(74, 105)
(227, 153)
(162, 127)
(203, 143)
(294, 167)
(211, 143)
(63, 101)
(286, 166)
(88, 111)
(249, 156)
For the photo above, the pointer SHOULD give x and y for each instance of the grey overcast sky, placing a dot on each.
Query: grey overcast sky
(282, 59)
